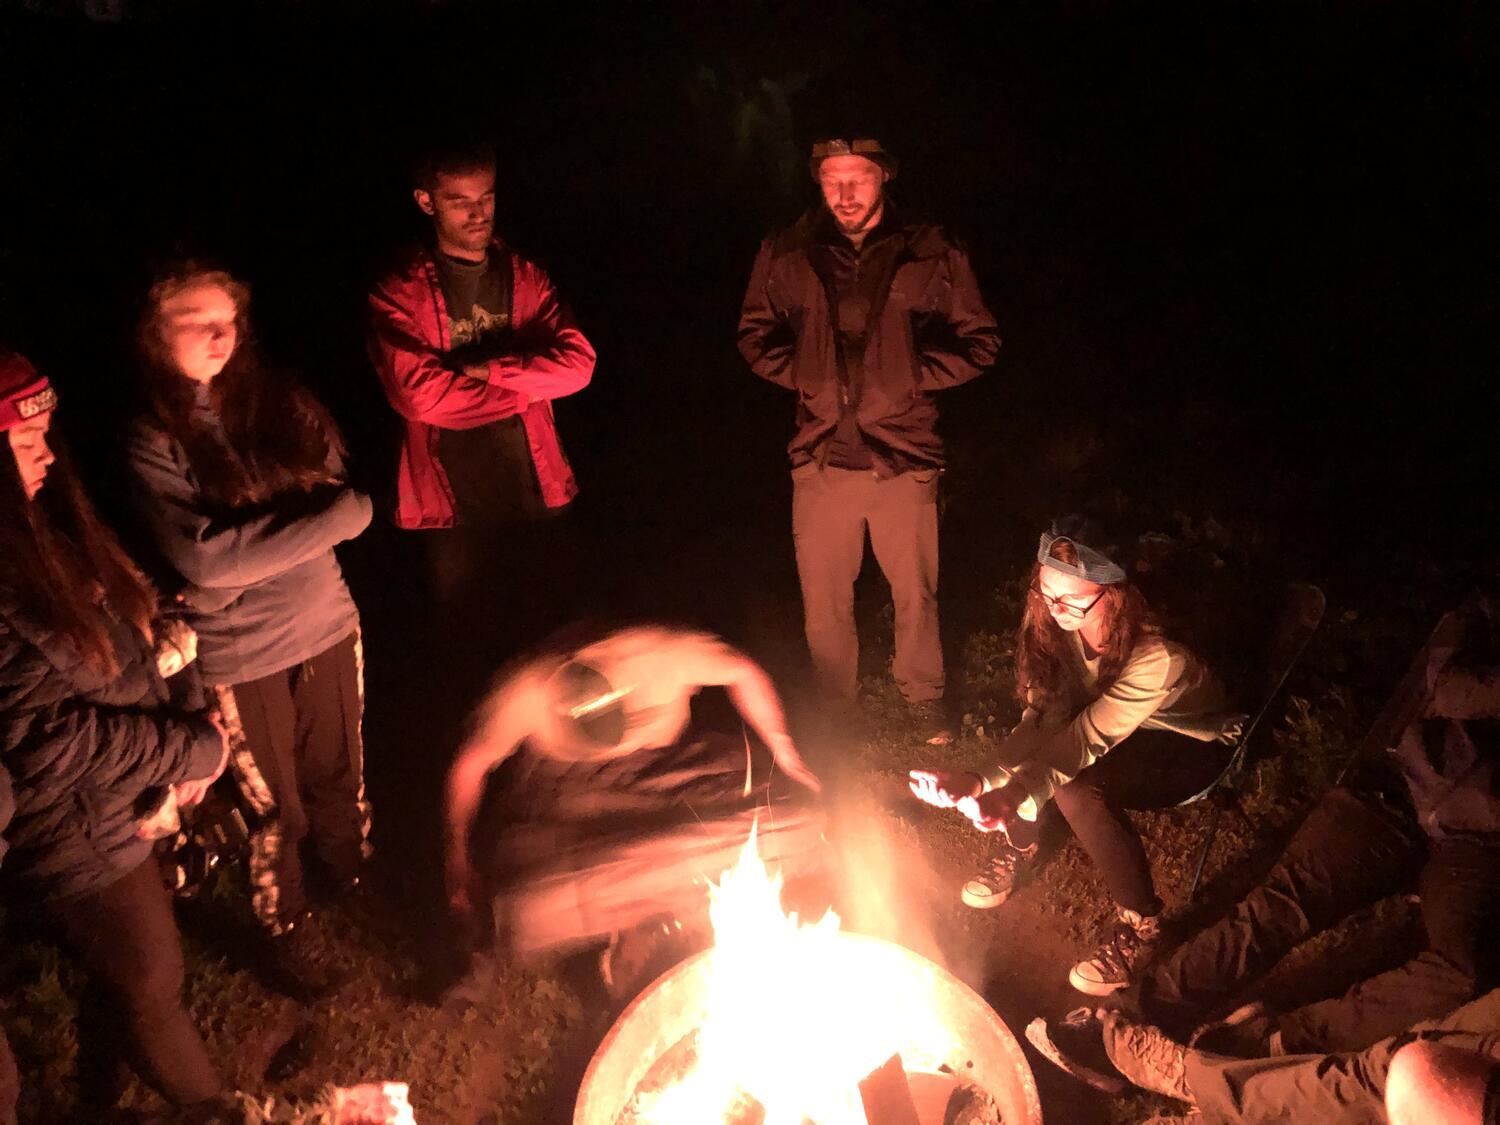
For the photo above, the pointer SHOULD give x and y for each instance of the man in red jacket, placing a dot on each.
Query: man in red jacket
(865, 314)
(472, 345)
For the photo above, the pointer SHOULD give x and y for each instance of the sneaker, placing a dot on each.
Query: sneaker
(1075, 1044)
(1146, 1056)
(931, 721)
(1000, 876)
(1130, 944)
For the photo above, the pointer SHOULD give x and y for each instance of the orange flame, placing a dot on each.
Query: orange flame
(795, 1016)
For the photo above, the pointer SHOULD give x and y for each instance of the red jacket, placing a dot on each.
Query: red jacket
(408, 342)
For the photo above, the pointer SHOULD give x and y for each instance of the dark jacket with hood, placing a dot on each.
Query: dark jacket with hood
(82, 751)
(923, 326)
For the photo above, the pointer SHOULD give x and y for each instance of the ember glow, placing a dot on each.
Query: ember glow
(796, 1016)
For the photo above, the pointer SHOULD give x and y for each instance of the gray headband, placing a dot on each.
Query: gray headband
(1092, 565)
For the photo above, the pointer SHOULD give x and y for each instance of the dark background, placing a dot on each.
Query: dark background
(1240, 254)
(1242, 257)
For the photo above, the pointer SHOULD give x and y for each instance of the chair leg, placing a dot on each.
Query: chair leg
(1208, 843)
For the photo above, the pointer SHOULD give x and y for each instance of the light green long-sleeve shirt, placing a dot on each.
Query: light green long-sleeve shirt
(1163, 686)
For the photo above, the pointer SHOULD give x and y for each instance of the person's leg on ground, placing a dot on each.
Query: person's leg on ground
(127, 939)
(1344, 856)
(828, 530)
(1460, 893)
(904, 537)
(1344, 1087)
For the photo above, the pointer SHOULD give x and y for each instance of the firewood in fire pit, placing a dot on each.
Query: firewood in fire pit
(886, 1096)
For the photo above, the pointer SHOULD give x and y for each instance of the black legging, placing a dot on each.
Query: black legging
(1152, 769)
(127, 939)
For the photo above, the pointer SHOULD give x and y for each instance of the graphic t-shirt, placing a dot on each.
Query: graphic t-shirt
(489, 467)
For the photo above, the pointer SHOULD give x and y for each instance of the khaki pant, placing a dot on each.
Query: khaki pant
(1343, 1088)
(831, 508)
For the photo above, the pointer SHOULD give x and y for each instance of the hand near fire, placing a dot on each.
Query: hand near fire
(995, 810)
(942, 789)
(784, 752)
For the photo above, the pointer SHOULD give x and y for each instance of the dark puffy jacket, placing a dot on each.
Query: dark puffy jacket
(928, 332)
(81, 751)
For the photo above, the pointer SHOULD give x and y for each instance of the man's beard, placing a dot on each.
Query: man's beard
(862, 223)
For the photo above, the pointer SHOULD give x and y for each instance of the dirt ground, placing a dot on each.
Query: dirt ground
(518, 1056)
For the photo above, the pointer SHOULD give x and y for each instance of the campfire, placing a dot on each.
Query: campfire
(783, 1023)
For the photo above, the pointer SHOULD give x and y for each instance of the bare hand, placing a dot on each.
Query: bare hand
(190, 792)
(942, 789)
(784, 752)
(995, 810)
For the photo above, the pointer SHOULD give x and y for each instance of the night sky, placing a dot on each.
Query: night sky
(1240, 254)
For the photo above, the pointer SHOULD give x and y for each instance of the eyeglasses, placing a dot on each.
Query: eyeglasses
(1064, 604)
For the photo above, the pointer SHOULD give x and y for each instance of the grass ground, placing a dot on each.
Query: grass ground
(518, 1057)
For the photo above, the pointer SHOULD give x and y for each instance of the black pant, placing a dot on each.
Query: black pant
(1151, 769)
(132, 1009)
(1347, 855)
(297, 755)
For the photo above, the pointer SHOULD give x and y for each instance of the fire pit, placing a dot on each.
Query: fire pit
(782, 1022)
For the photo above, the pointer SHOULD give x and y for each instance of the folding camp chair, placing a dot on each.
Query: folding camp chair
(1301, 614)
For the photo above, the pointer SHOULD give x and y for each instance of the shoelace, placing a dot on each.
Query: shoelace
(1117, 952)
(1158, 1052)
(1004, 864)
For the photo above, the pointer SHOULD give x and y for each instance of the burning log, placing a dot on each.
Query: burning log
(886, 1095)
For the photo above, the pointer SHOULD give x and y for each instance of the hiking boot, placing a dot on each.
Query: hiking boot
(1146, 1056)
(931, 722)
(1001, 875)
(1075, 1044)
(1130, 944)
(299, 962)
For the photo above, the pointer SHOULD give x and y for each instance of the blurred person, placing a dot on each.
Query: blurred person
(91, 744)
(1115, 716)
(866, 313)
(472, 345)
(1423, 815)
(240, 478)
(613, 802)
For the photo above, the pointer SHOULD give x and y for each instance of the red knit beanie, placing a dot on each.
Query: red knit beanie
(23, 392)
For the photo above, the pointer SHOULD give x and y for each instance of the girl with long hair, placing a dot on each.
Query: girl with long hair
(240, 477)
(1115, 716)
(92, 742)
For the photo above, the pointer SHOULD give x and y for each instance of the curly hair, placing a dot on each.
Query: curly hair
(1039, 642)
(277, 438)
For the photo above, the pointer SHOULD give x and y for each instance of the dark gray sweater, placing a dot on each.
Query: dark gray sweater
(263, 592)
